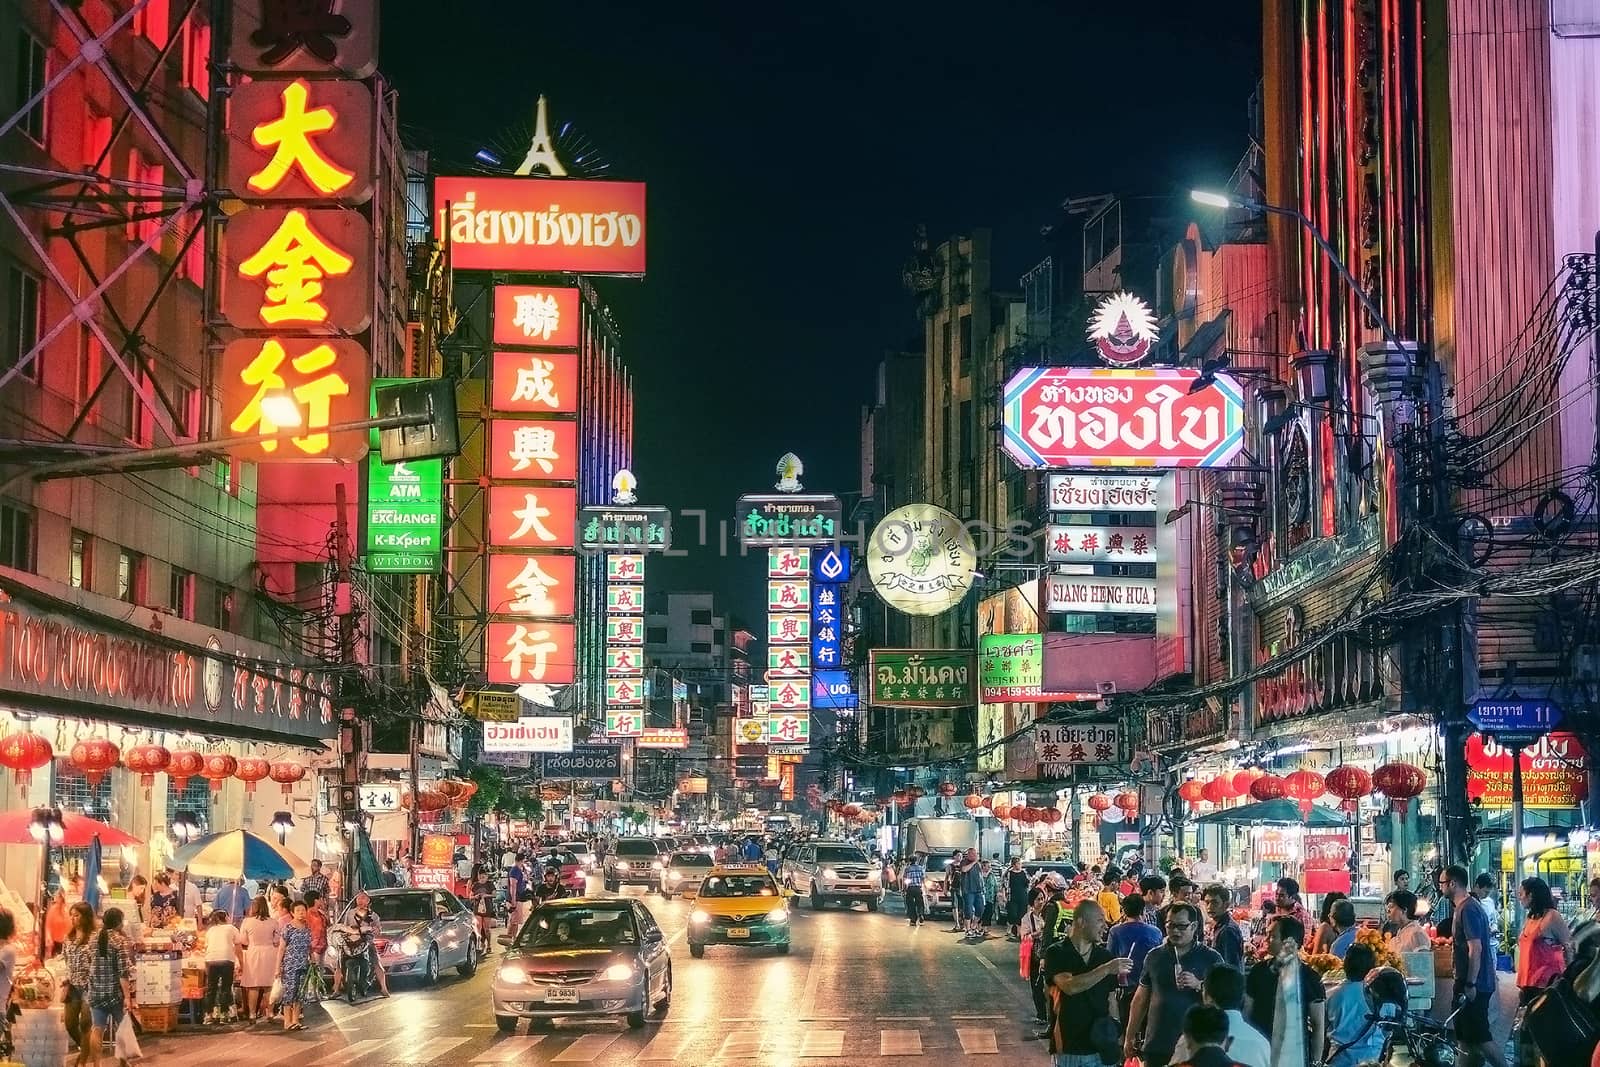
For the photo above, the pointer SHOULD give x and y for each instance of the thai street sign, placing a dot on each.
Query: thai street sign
(487, 706)
(1515, 721)
(915, 678)
(789, 518)
(541, 225)
(1105, 417)
(644, 529)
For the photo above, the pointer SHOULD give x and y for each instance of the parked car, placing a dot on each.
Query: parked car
(633, 861)
(420, 933)
(574, 876)
(583, 958)
(684, 872)
(824, 871)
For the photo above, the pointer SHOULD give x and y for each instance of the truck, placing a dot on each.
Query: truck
(938, 837)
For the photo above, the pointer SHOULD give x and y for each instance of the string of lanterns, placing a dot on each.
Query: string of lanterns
(1398, 783)
(24, 752)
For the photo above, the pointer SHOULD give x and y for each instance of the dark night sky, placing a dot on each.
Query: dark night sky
(789, 156)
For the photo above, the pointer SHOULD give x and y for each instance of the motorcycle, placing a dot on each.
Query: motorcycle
(1427, 1042)
(355, 962)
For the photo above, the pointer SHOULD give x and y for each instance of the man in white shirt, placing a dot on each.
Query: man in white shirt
(1224, 988)
(1204, 871)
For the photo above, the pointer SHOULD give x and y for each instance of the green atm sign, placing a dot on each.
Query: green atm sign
(404, 513)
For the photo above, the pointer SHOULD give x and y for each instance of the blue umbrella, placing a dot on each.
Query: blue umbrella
(91, 875)
(238, 854)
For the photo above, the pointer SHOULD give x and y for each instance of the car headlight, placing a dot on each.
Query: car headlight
(411, 946)
(829, 873)
(778, 915)
(618, 972)
(512, 975)
(656, 866)
(674, 876)
(698, 916)
(622, 865)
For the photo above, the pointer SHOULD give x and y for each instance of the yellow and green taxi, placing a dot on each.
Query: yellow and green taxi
(739, 905)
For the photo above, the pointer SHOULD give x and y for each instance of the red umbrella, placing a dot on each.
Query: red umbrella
(78, 830)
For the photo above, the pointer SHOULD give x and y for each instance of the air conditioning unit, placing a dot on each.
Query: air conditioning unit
(1105, 689)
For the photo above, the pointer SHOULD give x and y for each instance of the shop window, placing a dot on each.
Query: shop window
(24, 310)
(153, 22)
(78, 566)
(194, 798)
(33, 65)
(71, 792)
(91, 363)
(16, 538)
(131, 567)
(180, 593)
(196, 56)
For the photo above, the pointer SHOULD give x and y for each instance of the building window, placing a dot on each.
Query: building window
(78, 565)
(700, 617)
(96, 139)
(144, 215)
(180, 593)
(32, 73)
(700, 646)
(655, 635)
(196, 55)
(137, 416)
(90, 364)
(188, 401)
(153, 22)
(16, 538)
(24, 310)
(966, 345)
(221, 603)
(130, 576)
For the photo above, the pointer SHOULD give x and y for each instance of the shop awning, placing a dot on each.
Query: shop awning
(1274, 812)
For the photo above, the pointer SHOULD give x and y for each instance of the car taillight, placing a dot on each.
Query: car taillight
(380, 944)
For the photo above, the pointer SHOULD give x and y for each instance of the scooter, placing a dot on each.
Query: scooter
(355, 963)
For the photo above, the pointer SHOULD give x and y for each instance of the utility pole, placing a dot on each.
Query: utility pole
(351, 742)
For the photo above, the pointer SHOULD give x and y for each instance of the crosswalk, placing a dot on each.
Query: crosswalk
(729, 1045)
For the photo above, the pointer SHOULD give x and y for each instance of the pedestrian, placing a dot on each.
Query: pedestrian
(1409, 935)
(1226, 937)
(1205, 1032)
(1132, 937)
(232, 899)
(1032, 927)
(317, 919)
(222, 963)
(75, 997)
(110, 983)
(1153, 888)
(139, 899)
(1483, 889)
(1057, 912)
(1203, 869)
(1472, 940)
(1224, 989)
(316, 881)
(57, 922)
(1081, 977)
(1354, 1036)
(483, 906)
(958, 897)
(1174, 973)
(1344, 927)
(1402, 882)
(1016, 897)
(1180, 890)
(1109, 899)
(519, 904)
(1544, 947)
(912, 878)
(259, 937)
(1286, 901)
(989, 879)
(1322, 940)
(294, 959)
(1285, 999)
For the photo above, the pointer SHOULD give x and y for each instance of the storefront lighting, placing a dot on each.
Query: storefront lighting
(1578, 837)
(282, 823)
(184, 827)
(47, 827)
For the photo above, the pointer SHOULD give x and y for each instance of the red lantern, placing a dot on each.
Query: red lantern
(851, 811)
(147, 761)
(1128, 802)
(1194, 791)
(251, 770)
(973, 802)
(184, 766)
(1268, 787)
(1349, 783)
(947, 789)
(1053, 816)
(1401, 783)
(1242, 780)
(286, 773)
(219, 767)
(1211, 792)
(25, 753)
(1227, 788)
(1099, 802)
(1304, 786)
(1002, 811)
(94, 758)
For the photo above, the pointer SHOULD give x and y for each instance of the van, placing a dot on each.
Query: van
(938, 837)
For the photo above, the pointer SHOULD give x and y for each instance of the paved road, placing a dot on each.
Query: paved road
(856, 987)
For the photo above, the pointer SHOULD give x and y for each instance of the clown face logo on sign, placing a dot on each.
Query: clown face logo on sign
(1123, 328)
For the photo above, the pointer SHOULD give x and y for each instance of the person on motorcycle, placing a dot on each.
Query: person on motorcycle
(362, 923)
(551, 888)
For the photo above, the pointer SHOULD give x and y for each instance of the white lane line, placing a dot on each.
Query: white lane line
(822, 1043)
(508, 1050)
(339, 1057)
(905, 1018)
(976, 1042)
(741, 1043)
(665, 1047)
(899, 1042)
(432, 1050)
(979, 1017)
(586, 1049)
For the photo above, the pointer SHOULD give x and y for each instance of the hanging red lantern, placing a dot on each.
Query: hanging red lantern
(947, 788)
(287, 772)
(974, 802)
(219, 767)
(1349, 783)
(184, 766)
(251, 770)
(1128, 801)
(1268, 787)
(94, 757)
(1228, 789)
(147, 761)
(1099, 802)
(1053, 816)
(851, 811)
(1242, 780)
(25, 753)
(1401, 783)
(1193, 791)
(1211, 792)
(1002, 811)
(1304, 786)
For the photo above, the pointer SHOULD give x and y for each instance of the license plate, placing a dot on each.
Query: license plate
(558, 995)
(738, 931)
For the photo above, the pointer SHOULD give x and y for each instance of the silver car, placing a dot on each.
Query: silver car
(683, 873)
(580, 959)
(420, 933)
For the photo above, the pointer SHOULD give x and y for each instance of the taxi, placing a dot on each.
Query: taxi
(739, 904)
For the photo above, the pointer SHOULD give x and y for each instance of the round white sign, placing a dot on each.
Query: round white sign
(920, 559)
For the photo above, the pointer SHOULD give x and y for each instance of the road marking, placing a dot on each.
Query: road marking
(508, 1050)
(665, 1046)
(822, 1043)
(432, 1050)
(977, 1042)
(353, 1052)
(741, 1043)
(905, 1019)
(899, 1042)
(586, 1049)
(963, 1017)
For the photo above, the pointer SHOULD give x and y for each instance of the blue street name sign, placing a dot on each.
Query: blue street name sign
(1515, 717)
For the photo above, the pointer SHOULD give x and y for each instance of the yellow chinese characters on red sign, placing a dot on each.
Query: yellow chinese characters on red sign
(323, 379)
(518, 653)
(297, 269)
(533, 450)
(301, 140)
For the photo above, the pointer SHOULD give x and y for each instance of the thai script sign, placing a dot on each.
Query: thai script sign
(913, 678)
(1061, 748)
(1102, 417)
(584, 761)
(531, 733)
(1327, 862)
(921, 560)
(645, 529)
(662, 737)
(1101, 492)
(1554, 772)
(541, 224)
(1011, 668)
(1089, 593)
(788, 518)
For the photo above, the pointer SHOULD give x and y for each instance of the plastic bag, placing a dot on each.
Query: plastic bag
(1025, 955)
(275, 994)
(127, 1043)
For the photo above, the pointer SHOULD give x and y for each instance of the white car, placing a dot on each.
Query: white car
(684, 871)
(585, 854)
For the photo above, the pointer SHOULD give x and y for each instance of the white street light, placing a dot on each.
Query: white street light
(1200, 196)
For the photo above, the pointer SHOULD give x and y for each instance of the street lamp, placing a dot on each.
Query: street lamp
(184, 827)
(47, 827)
(282, 823)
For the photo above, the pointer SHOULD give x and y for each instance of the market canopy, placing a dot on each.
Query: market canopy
(238, 854)
(1282, 812)
(77, 830)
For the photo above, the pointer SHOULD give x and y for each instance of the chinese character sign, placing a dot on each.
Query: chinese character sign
(534, 586)
(788, 729)
(625, 599)
(827, 625)
(533, 450)
(301, 140)
(624, 661)
(624, 692)
(914, 678)
(624, 567)
(325, 378)
(531, 652)
(624, 722)
(1060, 748)
(1099, 544)
(788, 562)
(789, 694)
(788, 661)
(624, 630)
(534, 383)
(536, 315)
(297, 269)
(288, 37)
(788, 595)
(788, 629)
(531, 517)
